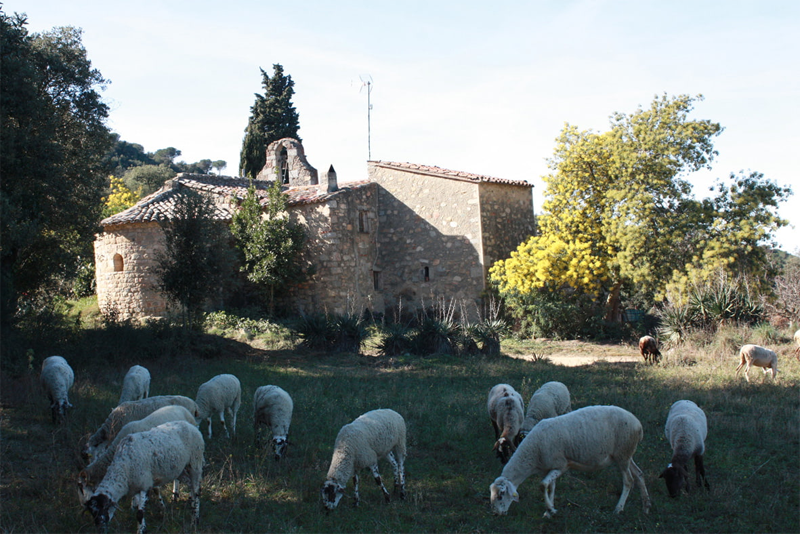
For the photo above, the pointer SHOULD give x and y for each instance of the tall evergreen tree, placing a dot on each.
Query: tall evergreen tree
(272, 117)
(54, 138)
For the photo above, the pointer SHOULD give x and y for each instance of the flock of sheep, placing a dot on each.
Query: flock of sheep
(147, 442)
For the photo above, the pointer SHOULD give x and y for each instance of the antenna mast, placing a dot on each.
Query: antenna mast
(366, 80)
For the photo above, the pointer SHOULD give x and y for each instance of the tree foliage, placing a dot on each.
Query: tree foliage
(197, 257)
(54, 138)
(269, 242)
(272, 117)
(619, 212)
(147, 179)
(119, 198)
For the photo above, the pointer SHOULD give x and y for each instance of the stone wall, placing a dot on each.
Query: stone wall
(429, 238)
(125, 262)
(341, 235)
(507, 219)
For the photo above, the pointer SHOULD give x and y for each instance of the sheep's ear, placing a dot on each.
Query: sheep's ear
(515, 497)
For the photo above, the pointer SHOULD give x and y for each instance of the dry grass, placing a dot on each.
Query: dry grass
(752, 461)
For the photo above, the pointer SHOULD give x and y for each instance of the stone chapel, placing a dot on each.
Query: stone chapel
(409, 233)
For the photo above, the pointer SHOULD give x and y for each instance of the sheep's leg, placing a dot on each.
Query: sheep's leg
(209, 427)
(138, 501)
(356, 496)
(399, 474)
(157, 493)
(224, 425)
(549, 490)
(700, 471)
(175, 492)
(741, 364)
(235, 412)
(379, 480)
(496, 430)
(746, 371)
(638, 477)
(627, 483)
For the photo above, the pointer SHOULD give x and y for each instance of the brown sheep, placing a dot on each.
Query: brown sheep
(648, 346)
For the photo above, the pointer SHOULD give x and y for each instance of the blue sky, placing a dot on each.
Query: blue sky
(471, 86)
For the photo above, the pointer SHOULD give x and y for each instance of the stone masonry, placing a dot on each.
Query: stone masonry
(409, 234)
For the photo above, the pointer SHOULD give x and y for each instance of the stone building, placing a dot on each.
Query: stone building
(409, 233)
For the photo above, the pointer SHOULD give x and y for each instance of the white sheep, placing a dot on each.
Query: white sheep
(221, 394)
(506, 412)
(145, 461)
(686, 431)
(797, 342)
(272, 407)
(57, 378)
(759, 357)
(136, 385)
(131, 411)
(587, 439)
(648, 346)
(550, 400)
(93, 474)
(359, 445)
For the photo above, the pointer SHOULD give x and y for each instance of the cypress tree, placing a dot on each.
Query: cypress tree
(272, 117)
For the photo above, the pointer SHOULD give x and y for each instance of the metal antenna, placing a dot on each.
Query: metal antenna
(366, 80)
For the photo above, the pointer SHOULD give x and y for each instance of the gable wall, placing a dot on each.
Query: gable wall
(427, 221)
(507, 220)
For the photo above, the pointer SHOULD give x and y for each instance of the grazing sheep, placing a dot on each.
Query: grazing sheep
(136, 385)
(147, 460)
(272, 407)
(506, 411)
(131, 411)
(89, 478)
(550, 400)
(360, 444)
(587, 439)
(760, 357)
(57, 379)
(221, 394)
(648, 346)
(686, 431)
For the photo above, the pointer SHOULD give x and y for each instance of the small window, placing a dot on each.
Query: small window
(284, 159)
(118, 263)
(363, 222)
(426, 273)
(376, 280)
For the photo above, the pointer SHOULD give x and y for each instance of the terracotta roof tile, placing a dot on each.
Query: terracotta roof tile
(445, 173)
(160, 206)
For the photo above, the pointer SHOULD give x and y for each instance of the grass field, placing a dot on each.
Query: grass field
(752, 458)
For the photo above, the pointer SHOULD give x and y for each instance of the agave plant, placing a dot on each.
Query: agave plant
(676, 322)
(395, 340)
(349, 332)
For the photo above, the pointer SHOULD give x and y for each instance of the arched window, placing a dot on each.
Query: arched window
(118, 263)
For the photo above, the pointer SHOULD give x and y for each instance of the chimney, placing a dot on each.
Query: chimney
(332, 184)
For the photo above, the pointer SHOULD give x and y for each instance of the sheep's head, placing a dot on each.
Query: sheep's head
(676, 478)
(503, 493)
(58, 410)
(279, 445)
(504, 448)
(102, 509)
(331, 494)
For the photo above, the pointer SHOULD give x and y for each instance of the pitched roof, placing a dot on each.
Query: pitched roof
(160, 206)
(445, 173)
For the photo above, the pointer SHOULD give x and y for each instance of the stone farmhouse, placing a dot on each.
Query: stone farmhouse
(409, 234)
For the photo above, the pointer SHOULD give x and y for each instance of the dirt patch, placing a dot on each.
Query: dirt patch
(574, 360)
